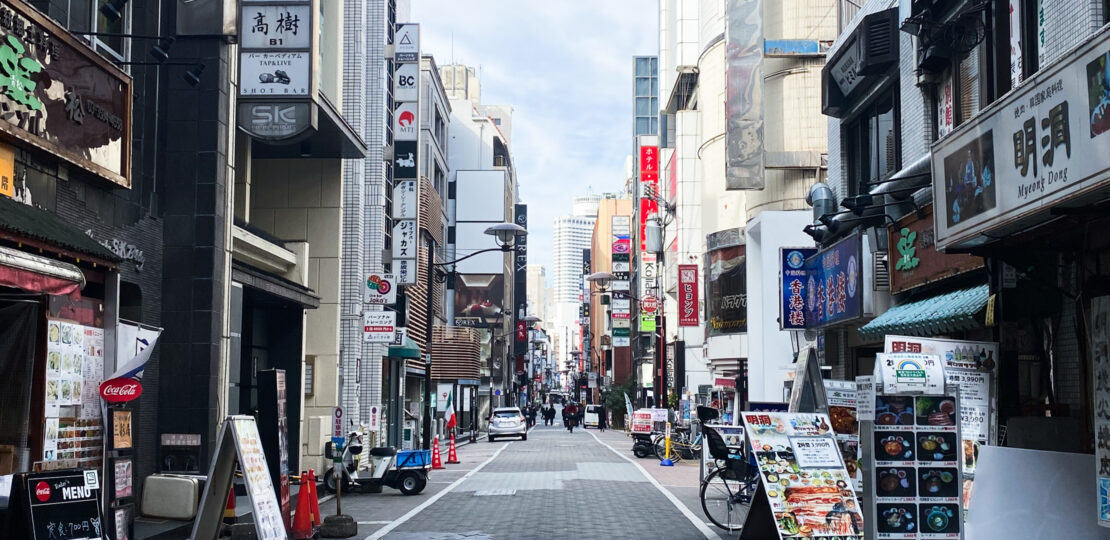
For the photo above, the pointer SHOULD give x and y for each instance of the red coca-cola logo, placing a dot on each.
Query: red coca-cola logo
(42, 491)
(120, 390)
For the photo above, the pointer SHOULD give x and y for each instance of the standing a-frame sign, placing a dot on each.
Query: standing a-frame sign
(239, 442)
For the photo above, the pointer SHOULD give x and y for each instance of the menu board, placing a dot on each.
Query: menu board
(252, 461)
(74, 371)
(64, 506)
(1100, 347)
(809, 491)
(916, 473)
(841, 398)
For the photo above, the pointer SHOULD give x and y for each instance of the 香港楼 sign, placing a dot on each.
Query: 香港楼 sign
(792, 285)
(1043, 145)
(60, 95)
(834, 283)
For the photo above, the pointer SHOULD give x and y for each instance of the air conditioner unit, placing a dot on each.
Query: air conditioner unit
(876, 297)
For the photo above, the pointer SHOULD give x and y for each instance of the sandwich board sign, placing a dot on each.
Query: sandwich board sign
(238, 442)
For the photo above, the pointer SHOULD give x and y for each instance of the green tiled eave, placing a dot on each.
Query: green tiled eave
(950, 312)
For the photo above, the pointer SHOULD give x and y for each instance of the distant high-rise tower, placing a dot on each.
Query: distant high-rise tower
(645, 95)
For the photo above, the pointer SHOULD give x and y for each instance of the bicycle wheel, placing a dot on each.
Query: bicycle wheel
(720, 500)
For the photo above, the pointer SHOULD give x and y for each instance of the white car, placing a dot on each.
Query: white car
(507, 421)
(591, 418)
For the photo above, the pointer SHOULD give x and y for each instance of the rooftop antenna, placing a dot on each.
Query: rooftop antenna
(452, 47)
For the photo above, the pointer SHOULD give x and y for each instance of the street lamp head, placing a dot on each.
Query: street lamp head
(602, 279)
(506, 233)
(531, 319)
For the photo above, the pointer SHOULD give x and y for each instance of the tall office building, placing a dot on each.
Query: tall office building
(645, 95)
(537, 291)
(572, 235)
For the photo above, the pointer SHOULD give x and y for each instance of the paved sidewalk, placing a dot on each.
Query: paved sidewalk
(681, 479)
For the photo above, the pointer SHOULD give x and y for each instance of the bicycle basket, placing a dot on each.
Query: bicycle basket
(735, 469)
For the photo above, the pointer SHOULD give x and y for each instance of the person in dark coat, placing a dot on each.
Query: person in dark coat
(602, 418)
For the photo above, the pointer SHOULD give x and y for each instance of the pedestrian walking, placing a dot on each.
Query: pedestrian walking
(602, 418)
(531, 416)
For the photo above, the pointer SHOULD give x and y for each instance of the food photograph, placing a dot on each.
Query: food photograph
(896, 482)
(936, 446)
(894, 446)
(938, 483)
(893, 411)
(896, 518)
(936, 411)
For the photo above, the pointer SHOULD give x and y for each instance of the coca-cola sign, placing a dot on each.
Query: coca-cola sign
(120, 390)
(42, 491)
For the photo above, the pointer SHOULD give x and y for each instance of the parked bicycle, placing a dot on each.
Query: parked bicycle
(683, 446)
(730, 486)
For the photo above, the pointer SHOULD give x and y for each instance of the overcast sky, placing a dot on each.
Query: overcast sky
(565, 67)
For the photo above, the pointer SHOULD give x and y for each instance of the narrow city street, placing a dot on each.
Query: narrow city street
(554, 485)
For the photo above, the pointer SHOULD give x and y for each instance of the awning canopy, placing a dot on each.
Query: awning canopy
(24, 223)
(950, 312)
(410, 350)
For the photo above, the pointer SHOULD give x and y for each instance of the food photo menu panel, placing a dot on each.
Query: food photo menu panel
(807, 486)
(916, 467)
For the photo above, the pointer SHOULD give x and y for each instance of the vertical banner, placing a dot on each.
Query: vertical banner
(649, 188)
(688, 295)
(406, 152)
(520, 280)
(1100, 346)
(744, 94)
(792, 287)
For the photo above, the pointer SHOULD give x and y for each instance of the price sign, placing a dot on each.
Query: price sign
(816, 452)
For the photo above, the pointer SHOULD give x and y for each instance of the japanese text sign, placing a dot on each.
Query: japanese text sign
(378, 326)
(833, 286)
(688, 312)
(1043, 144)
(792, 286)
(910, 373)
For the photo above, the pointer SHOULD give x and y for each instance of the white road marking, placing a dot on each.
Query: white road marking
(412, 513)
(374, 522)
(698, 523)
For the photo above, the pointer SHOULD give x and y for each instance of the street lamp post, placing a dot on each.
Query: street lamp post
(529, 322)
(506, 234)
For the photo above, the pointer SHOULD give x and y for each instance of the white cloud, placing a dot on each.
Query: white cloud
(566, 68)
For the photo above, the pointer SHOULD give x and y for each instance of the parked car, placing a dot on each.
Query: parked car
(507, 422)
(591, 417)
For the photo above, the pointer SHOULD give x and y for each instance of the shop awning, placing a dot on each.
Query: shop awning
(409, 350)
(950, 312)
(24, 223)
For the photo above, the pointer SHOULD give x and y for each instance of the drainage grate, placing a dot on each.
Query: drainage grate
(495, 492)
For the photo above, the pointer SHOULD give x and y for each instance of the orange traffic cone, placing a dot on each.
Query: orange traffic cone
(452, 457)
(314, 499)
(229, 509)
(437, 461)
(302, 522)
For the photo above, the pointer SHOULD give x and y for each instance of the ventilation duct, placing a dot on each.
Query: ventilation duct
(823, 201)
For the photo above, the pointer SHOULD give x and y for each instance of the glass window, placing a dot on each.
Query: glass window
(643, 87)
(643, 106)
(654, 86)
(643, 67)
(873, 148)
(113, 46)
(643, 126)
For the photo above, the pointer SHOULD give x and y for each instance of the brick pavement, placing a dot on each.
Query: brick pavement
(555, 485)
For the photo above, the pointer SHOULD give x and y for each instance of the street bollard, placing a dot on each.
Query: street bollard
(667, 446)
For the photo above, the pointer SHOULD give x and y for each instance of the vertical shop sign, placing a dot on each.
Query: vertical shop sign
(649, 188)
(834, 282)
(744, 94)
(520, 278)
(1100, 345)
(792, 286)
(277, 72)
(688, 295)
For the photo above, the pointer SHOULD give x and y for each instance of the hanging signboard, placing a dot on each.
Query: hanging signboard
(1039, 147)
(802, 477)
(834, 283)
(1100, 344)
(378, 326)
(406, 43)
(59, 95)
(792, 286)
(406, 82)
(688, 311)
(381, 290)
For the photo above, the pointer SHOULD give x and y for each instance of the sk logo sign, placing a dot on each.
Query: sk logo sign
(905, 246)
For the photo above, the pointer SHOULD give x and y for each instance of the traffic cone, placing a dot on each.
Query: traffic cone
(302, 521)
(229, 509)
(314, 499)
(452, 457)
(437, 461)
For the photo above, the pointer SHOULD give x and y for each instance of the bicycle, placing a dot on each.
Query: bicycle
(729, 487)
(681, 447)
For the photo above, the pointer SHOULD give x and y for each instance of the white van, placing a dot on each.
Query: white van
(591, 417)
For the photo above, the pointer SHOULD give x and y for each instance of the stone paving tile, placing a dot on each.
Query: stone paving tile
(571, 488)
